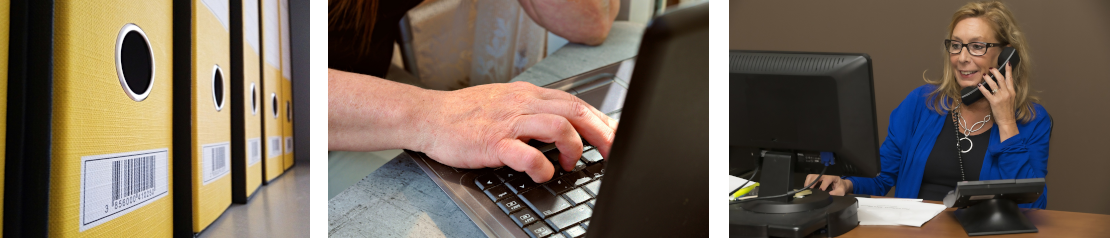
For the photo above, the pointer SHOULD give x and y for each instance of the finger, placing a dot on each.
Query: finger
(603, 146)
(810, 178)
(986, 94)
(552, 94)
(825, 182)
(552, 129)
(592, 128)
(992, 83)
(521, 157)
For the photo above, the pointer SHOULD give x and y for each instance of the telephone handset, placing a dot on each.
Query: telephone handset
(1009, 56)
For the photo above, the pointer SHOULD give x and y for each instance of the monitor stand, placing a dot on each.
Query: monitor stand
(789, 216)
(994, 217)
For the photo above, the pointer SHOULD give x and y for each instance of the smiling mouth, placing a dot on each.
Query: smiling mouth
(966, 73)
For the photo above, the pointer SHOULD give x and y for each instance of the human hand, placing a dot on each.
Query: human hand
(1002, 101)
(833, 184)
(489, 125)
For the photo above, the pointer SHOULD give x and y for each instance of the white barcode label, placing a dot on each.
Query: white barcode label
(215, 161)
(288, 144)
(274, 146)
(254, 151)
(116, 184)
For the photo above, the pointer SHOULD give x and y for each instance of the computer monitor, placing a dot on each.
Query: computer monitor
(785, 109)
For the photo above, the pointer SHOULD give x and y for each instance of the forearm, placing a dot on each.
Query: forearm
(579, 21)
(1007, 130)
(367, 113)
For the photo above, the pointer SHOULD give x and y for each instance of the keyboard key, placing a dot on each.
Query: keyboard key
(592, 156)
(522, 185)
(577, 196)
(511, 204)
(559, 172)
(595, 170)
(557, 235)
(570, 217)
(579, 165)
(524, 217)
(508, 174)
(593, 187)
(538, 229)
(575, 232)
(559, 186)
(577, 178)
(496, 193)
(544, 202)
(487, 181)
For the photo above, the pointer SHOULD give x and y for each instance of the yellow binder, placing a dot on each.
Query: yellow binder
(5, 7)
(111, 126)
(286, 85)
(246, 101)
(271, 89)
(202, 133)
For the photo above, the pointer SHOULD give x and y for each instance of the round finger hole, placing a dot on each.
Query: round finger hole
(217, 87)
(274, 104)
(134, 62)
(254, 100)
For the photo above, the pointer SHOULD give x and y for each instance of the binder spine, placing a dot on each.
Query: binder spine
(238, 134)
(30, 100)
(182, 119)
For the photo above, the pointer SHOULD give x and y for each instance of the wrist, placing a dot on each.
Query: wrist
(420, 119)
(848, 188)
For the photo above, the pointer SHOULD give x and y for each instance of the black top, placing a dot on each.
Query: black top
(348, 47)
(942, 169)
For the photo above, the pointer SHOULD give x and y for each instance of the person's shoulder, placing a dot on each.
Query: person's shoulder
(921, 93)
(924, 90)
(1041, 114)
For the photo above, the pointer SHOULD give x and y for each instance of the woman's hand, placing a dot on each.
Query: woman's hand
(833, 184)
(489, 125)
(1002, 102)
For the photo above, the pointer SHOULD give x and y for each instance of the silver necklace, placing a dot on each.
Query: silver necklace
(968, 130)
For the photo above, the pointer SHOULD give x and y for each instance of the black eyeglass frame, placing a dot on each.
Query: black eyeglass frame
(963, 46)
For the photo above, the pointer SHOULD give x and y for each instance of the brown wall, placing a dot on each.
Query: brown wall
(1069, 47)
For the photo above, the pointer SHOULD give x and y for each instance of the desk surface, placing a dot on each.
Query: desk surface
(1049, 224)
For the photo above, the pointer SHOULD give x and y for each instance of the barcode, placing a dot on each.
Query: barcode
(255, 145)
(218, 158)
(254, 149)
(113, 185)
(132, 176)
(275, 146)
(289, 144)
(214, 161)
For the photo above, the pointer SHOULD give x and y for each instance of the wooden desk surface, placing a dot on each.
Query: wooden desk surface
(1049, 224)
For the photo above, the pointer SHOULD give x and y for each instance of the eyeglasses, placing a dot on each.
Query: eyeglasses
(975, 48)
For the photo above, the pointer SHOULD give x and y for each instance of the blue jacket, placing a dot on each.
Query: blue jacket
(914, 129)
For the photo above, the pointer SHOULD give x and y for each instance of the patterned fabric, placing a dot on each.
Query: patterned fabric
(461, 43)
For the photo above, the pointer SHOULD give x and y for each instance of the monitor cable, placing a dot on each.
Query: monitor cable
(791, 193)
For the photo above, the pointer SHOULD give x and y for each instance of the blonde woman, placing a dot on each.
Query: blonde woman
(1003, 136)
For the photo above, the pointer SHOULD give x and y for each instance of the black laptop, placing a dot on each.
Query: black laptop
(655, 182)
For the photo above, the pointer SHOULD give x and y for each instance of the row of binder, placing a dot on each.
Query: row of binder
(139, 117)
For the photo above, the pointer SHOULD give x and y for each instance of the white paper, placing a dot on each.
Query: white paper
(895, 211)
(735, 182)
(219, 8)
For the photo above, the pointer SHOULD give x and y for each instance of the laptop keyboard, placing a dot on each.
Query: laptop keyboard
(560, 207)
